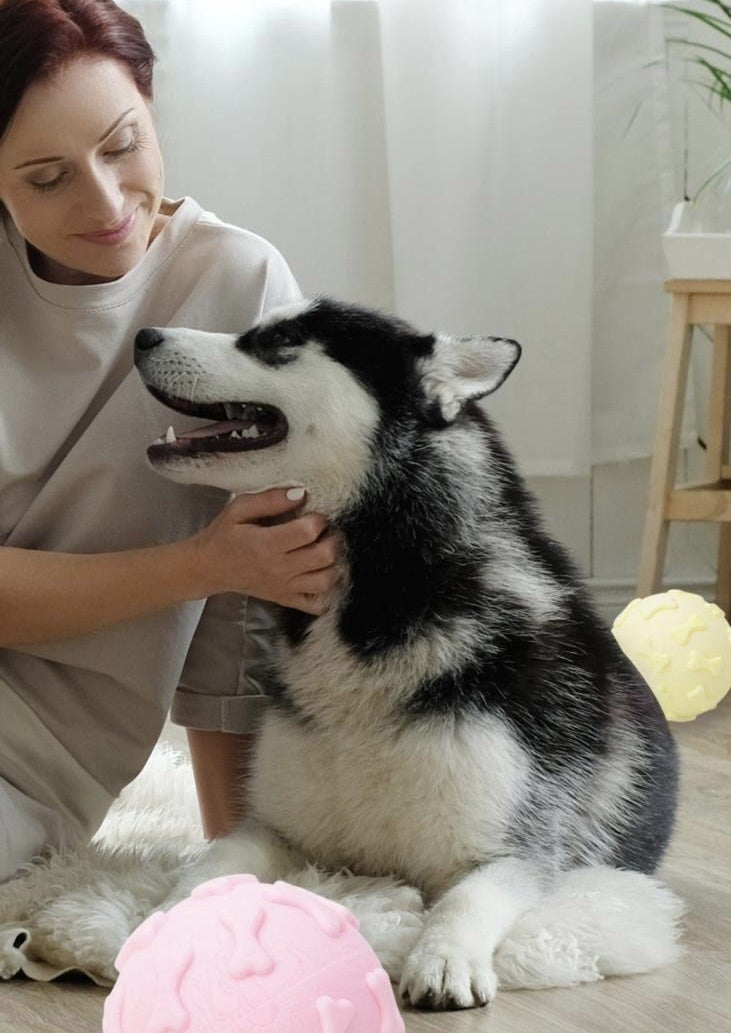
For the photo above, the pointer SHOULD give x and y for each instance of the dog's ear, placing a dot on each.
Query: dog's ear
(458, 369)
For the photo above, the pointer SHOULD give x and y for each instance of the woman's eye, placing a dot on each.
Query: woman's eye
(50, 184)
(117, 152)
(128, 147)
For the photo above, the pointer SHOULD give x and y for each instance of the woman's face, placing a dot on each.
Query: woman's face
(81, 172)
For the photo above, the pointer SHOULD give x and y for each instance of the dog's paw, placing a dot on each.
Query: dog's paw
(441, 973)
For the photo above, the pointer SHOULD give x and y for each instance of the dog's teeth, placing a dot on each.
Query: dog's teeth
(170, 436)
(252, 432)
(235, 434)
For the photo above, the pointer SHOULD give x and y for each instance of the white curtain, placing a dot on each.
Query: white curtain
(476, 166)
(429, 157)
(636, 184)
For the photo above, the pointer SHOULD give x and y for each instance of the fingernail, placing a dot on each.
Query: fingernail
(295, 494)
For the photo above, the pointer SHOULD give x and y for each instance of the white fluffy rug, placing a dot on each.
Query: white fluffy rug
(75, 910)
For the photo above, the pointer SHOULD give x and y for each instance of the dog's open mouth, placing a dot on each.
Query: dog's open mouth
(238, 427)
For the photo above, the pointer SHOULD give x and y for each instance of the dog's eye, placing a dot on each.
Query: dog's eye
(280, 348)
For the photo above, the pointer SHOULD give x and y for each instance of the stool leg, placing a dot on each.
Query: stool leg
(723, 571)
(667, 438)
(718, 441)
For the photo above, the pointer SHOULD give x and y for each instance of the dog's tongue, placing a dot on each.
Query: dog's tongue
(213, 429)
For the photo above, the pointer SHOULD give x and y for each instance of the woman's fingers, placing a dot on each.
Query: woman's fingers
(299, 532)
(321, 555)
(264, 505)
(258, 546)
(315, 582)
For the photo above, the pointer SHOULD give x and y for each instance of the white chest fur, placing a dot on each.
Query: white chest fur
(424, 801)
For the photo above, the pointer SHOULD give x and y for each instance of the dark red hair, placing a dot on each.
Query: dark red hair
(39, 37)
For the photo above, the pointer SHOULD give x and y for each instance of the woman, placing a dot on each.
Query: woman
(106, 568)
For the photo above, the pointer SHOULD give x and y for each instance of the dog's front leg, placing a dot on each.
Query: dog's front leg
(250, 849)
(451, 964)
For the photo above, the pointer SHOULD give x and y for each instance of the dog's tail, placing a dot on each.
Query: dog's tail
(598, 922)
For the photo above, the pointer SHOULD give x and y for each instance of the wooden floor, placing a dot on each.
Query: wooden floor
(693, 996)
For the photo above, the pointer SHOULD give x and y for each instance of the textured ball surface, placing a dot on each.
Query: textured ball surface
(240, 956)
(681, 645)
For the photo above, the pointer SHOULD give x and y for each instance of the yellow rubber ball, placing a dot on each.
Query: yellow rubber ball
(681, 645)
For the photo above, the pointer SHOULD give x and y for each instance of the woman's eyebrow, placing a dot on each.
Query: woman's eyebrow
(43, 161)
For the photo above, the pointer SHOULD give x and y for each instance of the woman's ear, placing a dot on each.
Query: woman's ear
(459, 369)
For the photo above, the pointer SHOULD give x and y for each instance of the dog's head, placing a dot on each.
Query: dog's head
(302, 396)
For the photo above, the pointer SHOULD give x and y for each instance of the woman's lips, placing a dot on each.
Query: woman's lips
(113, 236)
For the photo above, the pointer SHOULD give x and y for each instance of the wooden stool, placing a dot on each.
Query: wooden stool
(693, 302)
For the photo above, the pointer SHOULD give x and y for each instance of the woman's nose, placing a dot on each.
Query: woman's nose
(103, 198)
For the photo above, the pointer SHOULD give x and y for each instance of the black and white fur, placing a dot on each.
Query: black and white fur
(459, 717)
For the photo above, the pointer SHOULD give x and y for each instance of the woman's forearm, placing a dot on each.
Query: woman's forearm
(48, 596)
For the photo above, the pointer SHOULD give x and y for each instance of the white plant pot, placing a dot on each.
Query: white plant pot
(691, 255)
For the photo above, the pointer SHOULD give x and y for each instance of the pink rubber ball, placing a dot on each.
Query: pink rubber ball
(240, 956)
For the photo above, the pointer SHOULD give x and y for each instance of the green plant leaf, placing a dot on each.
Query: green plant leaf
(721, 6)
(721, 84)
(707, 19)
(699, 46)
(719, 77)
(710, 179)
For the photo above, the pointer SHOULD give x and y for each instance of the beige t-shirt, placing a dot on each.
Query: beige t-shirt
(75, 421)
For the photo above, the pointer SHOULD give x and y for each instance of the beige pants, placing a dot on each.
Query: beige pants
(44, 792)
(26, 827)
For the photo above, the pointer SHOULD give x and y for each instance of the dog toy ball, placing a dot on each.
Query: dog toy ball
(681, 645)
(240, 956)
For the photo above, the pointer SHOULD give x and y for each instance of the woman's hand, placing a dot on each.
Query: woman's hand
(291, 563)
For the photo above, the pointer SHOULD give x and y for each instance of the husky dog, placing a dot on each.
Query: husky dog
(458, 717)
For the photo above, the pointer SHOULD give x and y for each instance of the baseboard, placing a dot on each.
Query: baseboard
(611, 597)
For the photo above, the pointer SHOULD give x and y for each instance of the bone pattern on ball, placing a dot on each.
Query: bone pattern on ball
(240, 956)
(681, 645)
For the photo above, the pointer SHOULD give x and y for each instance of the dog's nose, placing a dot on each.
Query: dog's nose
(148, 338)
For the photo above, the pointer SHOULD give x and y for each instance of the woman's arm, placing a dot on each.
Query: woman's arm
(47, 596)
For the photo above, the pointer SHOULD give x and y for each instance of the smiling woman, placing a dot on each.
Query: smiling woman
(120, 593)
(76, 126)
(91, 207)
